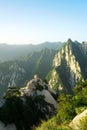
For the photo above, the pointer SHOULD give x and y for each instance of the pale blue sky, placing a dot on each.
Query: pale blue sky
(36, 21)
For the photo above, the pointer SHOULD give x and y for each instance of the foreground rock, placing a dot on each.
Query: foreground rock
(76, 123)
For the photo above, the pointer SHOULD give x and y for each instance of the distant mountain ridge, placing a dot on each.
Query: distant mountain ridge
(12, 52)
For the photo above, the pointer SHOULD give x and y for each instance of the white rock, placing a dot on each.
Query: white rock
(48, 97)
(76, 122)
(31, 89)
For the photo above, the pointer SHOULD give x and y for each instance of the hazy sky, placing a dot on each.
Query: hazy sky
(35, 21)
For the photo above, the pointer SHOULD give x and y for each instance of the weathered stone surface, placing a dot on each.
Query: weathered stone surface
(69, 67)
(37, 87)
(76, 122)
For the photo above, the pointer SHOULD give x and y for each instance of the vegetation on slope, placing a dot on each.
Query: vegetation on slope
(27, 113)
(68, 107)
(24, 112)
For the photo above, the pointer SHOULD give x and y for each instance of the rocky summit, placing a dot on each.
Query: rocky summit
(37, 87)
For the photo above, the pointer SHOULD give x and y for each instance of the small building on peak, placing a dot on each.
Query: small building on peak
(36, 77)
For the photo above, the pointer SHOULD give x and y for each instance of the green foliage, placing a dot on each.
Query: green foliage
(78, 110)
(65, 113)
(39, 87)
(83, 123)
(66, 110)
(80, 97)
(81, 88)
(53, 124)
(12, 91)
(48, 77)
(68, 107)
(11, 111)
(23, 112)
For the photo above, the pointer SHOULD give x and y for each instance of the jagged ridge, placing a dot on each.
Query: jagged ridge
(69, 67)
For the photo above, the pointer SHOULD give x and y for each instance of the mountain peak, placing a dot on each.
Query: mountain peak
(69, 41)
(68, 65)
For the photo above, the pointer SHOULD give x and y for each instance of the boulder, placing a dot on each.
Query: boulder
(75, 124)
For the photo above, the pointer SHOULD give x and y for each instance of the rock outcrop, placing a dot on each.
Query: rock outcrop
(37, 87)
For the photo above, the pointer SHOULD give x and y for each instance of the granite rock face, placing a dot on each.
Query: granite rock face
(76, 122)
(37, 87)
(69, 66)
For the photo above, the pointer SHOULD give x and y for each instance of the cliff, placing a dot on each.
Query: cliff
(69, 67)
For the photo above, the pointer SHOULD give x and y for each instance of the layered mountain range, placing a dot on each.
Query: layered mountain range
(12, 52)
(62, 64)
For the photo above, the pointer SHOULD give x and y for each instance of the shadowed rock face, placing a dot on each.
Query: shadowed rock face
(76, 122)
(8, 127)
(37, 87)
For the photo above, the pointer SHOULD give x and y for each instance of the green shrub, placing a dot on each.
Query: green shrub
(83, 123)
(23, 112)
